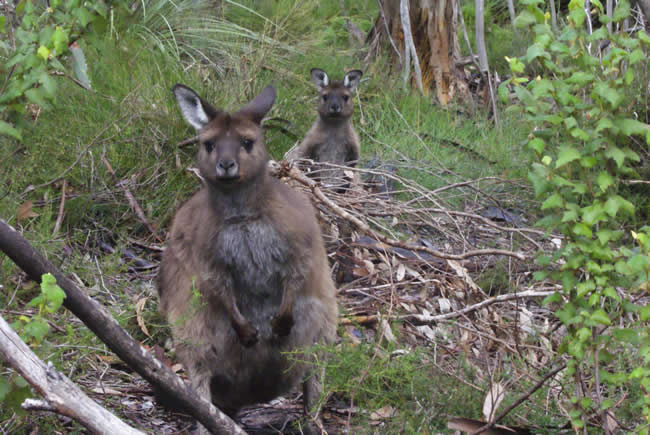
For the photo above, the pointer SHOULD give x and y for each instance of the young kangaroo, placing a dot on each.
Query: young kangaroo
(332, 138)
(245, 276)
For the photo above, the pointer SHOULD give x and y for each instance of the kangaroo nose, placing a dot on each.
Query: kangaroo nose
(335, 108)
(227, 168)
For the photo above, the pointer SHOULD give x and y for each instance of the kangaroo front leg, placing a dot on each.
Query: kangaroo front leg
(246, 332)
(282, 322)
(311, 392)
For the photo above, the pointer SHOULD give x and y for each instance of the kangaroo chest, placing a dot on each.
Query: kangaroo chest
(256, 255)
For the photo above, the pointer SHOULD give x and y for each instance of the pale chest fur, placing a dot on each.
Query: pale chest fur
(255, 255)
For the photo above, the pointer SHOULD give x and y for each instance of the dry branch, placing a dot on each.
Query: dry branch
(98, 320)
(297, 175)
(61, 394)
(422, 319)
(131, 199)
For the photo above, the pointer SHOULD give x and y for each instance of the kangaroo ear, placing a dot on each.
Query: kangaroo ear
(319, 78)
(194, 109)
(260, 105)
(352, 79)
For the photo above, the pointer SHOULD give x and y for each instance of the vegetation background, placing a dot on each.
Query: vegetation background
(87, 119)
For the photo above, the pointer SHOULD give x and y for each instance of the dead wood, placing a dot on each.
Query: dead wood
(297, 175)
(61, 394)
(422, 319)
(98, 320)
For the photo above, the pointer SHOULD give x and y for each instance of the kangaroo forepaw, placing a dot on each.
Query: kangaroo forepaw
(247, 334)
(282, 324)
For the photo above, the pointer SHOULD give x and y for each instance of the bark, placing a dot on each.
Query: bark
(98, 320)
(61, 394)
(434, 29)
(553, 16)
(513, 14)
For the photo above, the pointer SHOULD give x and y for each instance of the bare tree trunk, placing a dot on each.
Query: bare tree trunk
(553, 16)
(434, 28)
(61, 394)
(609, 9)
(513, 14)
(479, 13)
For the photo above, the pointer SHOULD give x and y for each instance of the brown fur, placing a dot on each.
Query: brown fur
(245, 277)
(332, 137)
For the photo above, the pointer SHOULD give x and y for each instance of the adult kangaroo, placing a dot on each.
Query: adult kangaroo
(245, 277)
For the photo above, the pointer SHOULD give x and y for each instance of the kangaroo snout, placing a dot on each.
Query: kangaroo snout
(227, 168)
(335, 108)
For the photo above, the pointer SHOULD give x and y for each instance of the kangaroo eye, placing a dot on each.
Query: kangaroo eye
(209, 145)
(325, 97)
(247, 143)
(345, 98)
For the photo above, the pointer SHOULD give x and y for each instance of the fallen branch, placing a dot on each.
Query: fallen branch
(97, 319)
(423, 319)
(61, 394)
(294, 173)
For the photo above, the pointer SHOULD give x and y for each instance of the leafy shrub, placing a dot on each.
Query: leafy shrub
(583, 142)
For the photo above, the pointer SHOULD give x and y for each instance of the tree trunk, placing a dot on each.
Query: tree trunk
(434, 28)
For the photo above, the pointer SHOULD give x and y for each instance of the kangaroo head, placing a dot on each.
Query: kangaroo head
(231, 150)
(335, 100)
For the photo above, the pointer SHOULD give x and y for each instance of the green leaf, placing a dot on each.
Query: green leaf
(616, 202)
(604, 180)
(60, 41)
(553, 201)
(79, 65)
(570, 216)
(616, 154)
(525, 19)
(537, 144)
(611, 95)
(643, 37)
(555, 297)
(636, 56)
(631, 127)
(622, 10)
(53, 293)
(577, 12)
(579, 133)
(580, 78)
(37, 328)
(535, 51)
(542, 88)
(4, 388)
(83, 15)
(566, 155)
(7, 129)
(49, 84)
(600, 316)
(582, 230)
(516, 66)
(43, 52)
(605, 124)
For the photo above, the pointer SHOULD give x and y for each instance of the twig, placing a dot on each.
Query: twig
(409, 46)
(61, 394)
(59, 218)
(297, 175)
(131, 199)
(521, 399)
(187, 142)
(423, 319)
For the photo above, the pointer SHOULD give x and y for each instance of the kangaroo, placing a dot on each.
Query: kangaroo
(245, 277)
(332, 137)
